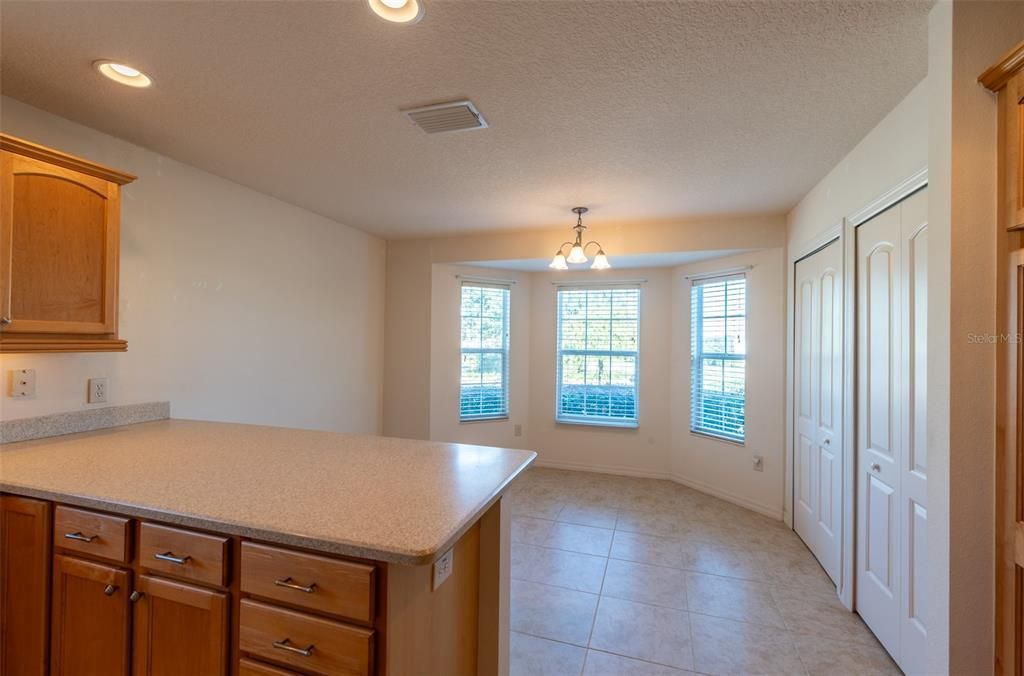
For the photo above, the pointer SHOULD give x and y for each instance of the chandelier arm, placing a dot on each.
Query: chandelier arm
(594, 242)
(564, 244)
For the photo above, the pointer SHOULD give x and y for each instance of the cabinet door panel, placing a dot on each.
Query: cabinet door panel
(179, 629)
(62, 234)
(24, 585)
(90, 618)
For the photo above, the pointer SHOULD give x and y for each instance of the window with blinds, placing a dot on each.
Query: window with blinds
(598, 355)
(718, 334)
(483, 385)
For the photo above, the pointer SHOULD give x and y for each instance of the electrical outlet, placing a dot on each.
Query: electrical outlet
(23, 383)
(518, 430)
(97, 390)
(443, 568)
(758, 463)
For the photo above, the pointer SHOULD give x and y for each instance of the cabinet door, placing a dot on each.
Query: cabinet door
(59, 232)
(179, 629)
(90, 618)
(24, 585)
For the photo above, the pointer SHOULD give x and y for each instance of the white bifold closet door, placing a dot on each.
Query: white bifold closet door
(818, 395)
(892, 513)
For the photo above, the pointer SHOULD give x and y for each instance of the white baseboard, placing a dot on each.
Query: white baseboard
(729, 497)
(601, 469)
(679, 479)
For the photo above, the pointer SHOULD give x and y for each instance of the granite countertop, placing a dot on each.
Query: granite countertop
(395, 500)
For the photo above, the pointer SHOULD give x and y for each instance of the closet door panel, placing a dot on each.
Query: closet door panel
(914, 458)
(818, 405)
(878, 425)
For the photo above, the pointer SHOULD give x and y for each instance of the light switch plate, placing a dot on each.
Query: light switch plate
(443, 568)
(23, 383)
(758, 463)
(97, 390)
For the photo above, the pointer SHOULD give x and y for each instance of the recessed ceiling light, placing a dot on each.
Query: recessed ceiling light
(124, 74)
(398, 11)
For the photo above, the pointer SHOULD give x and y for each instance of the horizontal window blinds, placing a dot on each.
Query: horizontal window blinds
(598, 355)
(483, 383)
(718, 327)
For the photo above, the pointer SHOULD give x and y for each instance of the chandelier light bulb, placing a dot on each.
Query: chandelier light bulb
(558, 262)
(577, 255)
(600, 262)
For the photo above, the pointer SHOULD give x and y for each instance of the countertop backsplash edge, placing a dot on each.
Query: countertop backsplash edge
(86, 420)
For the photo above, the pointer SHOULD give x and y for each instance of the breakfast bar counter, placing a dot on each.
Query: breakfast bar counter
(409, 537)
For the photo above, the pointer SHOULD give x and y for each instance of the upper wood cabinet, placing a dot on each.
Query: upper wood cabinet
(59, 250)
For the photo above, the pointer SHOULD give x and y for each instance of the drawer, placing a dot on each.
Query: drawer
(341, 588)
(184, 554)
(305, 642)
(254, 668)
(80, 530)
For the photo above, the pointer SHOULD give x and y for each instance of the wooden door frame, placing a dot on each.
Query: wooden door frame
(846, 233)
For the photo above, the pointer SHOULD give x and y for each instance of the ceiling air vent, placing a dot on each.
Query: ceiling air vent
(445, 117)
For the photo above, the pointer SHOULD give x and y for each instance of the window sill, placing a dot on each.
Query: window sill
(470, 421)
(715, 437)
(625, 424)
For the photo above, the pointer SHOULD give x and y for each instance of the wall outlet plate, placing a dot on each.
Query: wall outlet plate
(443, 568)
(97, 390)
(23, 383)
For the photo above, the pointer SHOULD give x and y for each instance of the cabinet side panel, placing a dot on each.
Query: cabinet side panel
(24, 585)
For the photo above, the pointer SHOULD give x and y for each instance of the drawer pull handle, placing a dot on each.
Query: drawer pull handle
(287, 582)
(287, 645)
(77, 535)
(171, 558)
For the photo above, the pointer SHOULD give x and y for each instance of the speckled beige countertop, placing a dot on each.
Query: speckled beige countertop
(380, 498)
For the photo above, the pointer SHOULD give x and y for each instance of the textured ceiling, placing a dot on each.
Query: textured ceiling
(641, 110)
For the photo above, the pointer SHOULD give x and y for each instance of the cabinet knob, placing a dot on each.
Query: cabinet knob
(876, 468)
(135, 596)
(110, 589)
(4, 321)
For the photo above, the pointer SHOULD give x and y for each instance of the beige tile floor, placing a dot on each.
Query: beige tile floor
(619, 576)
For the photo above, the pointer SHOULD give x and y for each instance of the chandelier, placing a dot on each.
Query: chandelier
(578, 250)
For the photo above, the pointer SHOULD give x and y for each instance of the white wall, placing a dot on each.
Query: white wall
(445, 337)
(720, 467)
(894, 150)
(642, 451)
(662, 446)
(236, 306)
(407, 369)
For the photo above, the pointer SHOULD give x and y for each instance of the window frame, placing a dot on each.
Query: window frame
(504, 351)
(698, 355)
(595, 421)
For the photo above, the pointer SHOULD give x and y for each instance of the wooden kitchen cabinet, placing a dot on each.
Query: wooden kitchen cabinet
(59, 251)
(90, 618)
(179, 629)
(24, 585)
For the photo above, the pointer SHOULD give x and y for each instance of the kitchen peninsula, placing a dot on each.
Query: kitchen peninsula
(262, 550)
